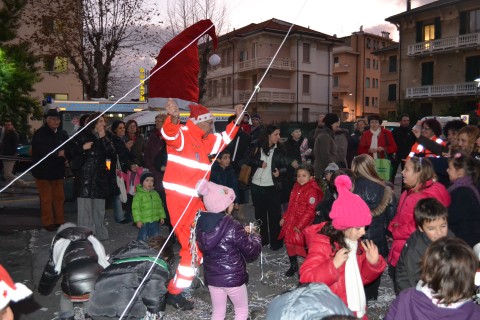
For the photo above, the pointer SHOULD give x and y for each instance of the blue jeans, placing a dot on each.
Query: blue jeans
(148, 230)
(118, 212)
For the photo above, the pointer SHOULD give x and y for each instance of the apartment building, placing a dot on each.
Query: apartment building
(439, 57)
(356, 73)
(298, 85)
(59, 81)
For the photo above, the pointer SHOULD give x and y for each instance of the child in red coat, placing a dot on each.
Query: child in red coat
(337, 257)
(304, 197)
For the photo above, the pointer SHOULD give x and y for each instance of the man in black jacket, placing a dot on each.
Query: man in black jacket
(49, 173)
(404, 139)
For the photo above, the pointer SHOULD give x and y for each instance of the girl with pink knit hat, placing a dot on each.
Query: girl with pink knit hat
(336, 254)
(227, 246)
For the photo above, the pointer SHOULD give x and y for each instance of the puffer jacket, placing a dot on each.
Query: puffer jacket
(300, 212)
(92, 179)
(319, 267)
(226, 249)
(403, 225)
(147, 206)
(383, 206)
(80, 264)
(116, 285)
(43, 142)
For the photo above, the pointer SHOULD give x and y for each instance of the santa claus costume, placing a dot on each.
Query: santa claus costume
(188, 146)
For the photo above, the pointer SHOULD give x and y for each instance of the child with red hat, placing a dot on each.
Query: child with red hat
(335, 256)
(227, 246)
(10, 291)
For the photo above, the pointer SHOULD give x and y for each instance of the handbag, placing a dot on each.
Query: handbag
(121, 183)
(384, 168)
(245, 172)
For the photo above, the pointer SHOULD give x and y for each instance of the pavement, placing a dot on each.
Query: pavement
(24, 251)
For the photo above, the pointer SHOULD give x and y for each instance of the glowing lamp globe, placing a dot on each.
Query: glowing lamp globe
(214, 59)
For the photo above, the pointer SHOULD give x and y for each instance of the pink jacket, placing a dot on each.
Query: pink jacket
(319, 267)
(403, 224)
(300, 212)
(136, 181)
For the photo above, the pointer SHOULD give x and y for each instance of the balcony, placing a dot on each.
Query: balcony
(444, 90)
(444, 45)
(284, 63)
(267, 96)
(341, 68)
(341, 89)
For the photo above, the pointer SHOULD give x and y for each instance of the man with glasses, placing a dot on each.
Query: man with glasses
(49, 173)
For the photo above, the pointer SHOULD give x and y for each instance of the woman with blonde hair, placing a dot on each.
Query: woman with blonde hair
(379, 196)
(466, 139)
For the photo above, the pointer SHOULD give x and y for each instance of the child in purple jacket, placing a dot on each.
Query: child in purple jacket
(446, 287)
(226, 246)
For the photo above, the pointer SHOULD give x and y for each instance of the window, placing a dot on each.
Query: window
(335, 82)
(392, 92)
(214, 88)
(376, 83)
(470, 21)
(392, 64)
(369, 43)
(55, 64)
(254, 50)
(336, 61)
(229, 86)
(367, 63)
(367, 82)
(306, 53)
(427, 73)
(306, 84)
(428, 32)
(224, 87)
(243, 56)
(367, 101)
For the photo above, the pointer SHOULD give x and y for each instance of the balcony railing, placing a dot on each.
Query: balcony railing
(341, 68)
(445, 44)
(267, 96)
(279, 63)
(340, 89)
(444, 90)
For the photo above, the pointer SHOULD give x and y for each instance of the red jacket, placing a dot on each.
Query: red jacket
(188, 152)
(389, 144)
(300, 212)
(403, 224)
(319, 267)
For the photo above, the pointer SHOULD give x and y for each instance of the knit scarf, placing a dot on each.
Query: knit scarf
(374, 143)
(465, 182)
(356, 300)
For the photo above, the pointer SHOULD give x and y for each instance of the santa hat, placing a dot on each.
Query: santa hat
(199, 113)
(179, 77)
(216, 198)
(349, 210)
(10, 291)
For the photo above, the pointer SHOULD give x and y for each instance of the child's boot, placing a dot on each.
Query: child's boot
(293, 266)
(179, 301)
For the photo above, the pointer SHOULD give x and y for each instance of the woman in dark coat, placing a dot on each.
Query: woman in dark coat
(380, 199)
(269, 168)
(93, 178)
(135, 141)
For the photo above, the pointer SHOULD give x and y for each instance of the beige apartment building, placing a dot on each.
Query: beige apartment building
(356, 74)
(297, 87)
(438, 56)
(59, 81)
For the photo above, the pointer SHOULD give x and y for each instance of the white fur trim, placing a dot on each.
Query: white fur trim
(100, 250)
(202, 118)
(58, 252)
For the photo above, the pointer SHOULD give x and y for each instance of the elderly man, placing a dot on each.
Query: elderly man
(50, 171)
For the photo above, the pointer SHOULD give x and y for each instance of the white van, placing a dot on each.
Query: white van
(146, 119)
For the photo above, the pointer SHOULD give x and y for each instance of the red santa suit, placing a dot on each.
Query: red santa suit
(188, 162)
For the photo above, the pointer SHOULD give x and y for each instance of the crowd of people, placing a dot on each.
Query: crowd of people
(319, 196)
